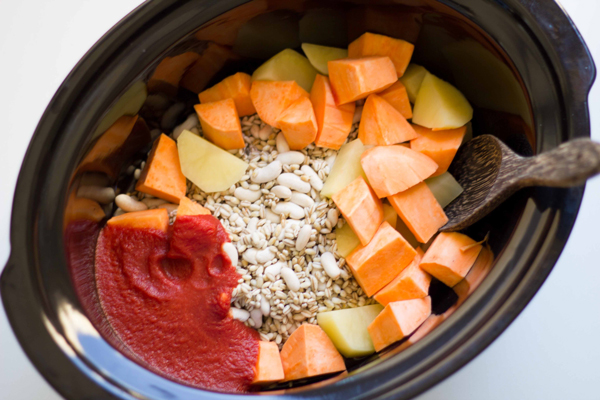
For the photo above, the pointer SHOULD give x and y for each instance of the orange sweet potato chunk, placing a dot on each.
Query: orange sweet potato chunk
(162, 176)
(271, 98)
(221, 123)
(411, 283)
(211, 61)
(236, 87)
(379, 262)
(398, 320)
(355, 79)
(381, 124)
(397, 96)
(268, 366)
(190, 207)
(309, 352)
(450, 257)
(298, 123)
(371, 44)
(420, 211)
(440, 146)
(149, 219)
(170, 70)
(361, 208)
(393, 169)
(334, 122)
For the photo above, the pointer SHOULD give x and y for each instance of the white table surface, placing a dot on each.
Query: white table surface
(550, 352)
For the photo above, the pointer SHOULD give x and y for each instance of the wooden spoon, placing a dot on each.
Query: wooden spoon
(490, 172)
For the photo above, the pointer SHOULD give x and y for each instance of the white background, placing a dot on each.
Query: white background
(550, 352)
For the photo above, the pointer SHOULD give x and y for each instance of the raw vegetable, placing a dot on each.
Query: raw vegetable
(347, 329)
(236, 87)
(268, 366)
(346, 168)
(149, 219)
(412, 79)
(209, 167)
(309, 352)
(170, 70)
(287, 65)
(398, 98)
(190, 207)
(398, 320)
(320, 55)
(271, 98)
(439, 105)
(381, 124)
(162, 176)
(360, 207)
(378, 263)
(371, 44)
(440, 146)
(412, 283)
(211, 61)
(444, 188)
(298, 124)
(354, 79)
(335, 122)
(221, 124)
(346, 240)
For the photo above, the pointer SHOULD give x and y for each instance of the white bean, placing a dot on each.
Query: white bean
(330, 160)
(246, 194)
(333, 215)
(265, 132)
(268, 173)
(252, 224)
(250, 255)
(287, 208)
(281, 143)
(315, 181)
(291, 157)
(274, 269)
(357, 114)
(153, 202)
(239, 314)
(256, 316)
(302, 199)
(169, 207)
(231, 251)
(254, 131)
(102, 195)
(330, 265)
(129, 204)
(293, 182)
(282, 192)
(271, 216)
(265, 307)
(263, 256)
(188, 124)
(303, 237)
(290, 278)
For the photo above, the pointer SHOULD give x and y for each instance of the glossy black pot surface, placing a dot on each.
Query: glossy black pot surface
(521, 63)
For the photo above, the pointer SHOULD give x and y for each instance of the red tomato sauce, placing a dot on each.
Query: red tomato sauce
(167, 296)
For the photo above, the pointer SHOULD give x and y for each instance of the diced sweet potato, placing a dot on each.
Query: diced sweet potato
(298, 123)
(162, 176)
(440, 146)
(268, 367)
(271, 98)
(212, 59)
(398, 320)
(309, 352)
(335, 122)
(397, 96)
(381, 124)
(221, 124)
(149, 219)
(450, 257)
(190, 207)
(393, 169)
(380, 261)
(412, 283)
(371, 44)
(420, 211)
(354, 79)
(168, 73)
(360, 207)
(236, 87)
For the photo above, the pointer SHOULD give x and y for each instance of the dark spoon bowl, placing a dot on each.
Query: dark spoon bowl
(521, 63)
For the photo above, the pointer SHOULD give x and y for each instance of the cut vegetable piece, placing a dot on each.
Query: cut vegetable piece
(355, 79)
(412, 79)
(445, 259)
(346, 168)
(335, 122)
(319, 56)
(221, 124)
(412, 283)
(420, 211)
(360, 207)
(149, 219)
(162, 176)
(393, 169)
(190, 207)
(287, 65)
(398, 320)
(441, 146)
(406, 233)
(378, 263)
(346, 240)
(444, 188)
(209, 167)
(309, 352)
(372, 44)
(271, 98)
(298, 124)
(397, 97)
(211, 61)
(347, 329)
(236, 87)
(268, 367)
(439, 105)
(381, 124)
(168, 73)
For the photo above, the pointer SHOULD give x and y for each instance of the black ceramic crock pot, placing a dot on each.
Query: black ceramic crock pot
(521, 63)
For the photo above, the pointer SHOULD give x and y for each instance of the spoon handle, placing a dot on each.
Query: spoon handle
(570, 164)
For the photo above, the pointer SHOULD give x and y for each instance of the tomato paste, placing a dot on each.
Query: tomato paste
(167, 296)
